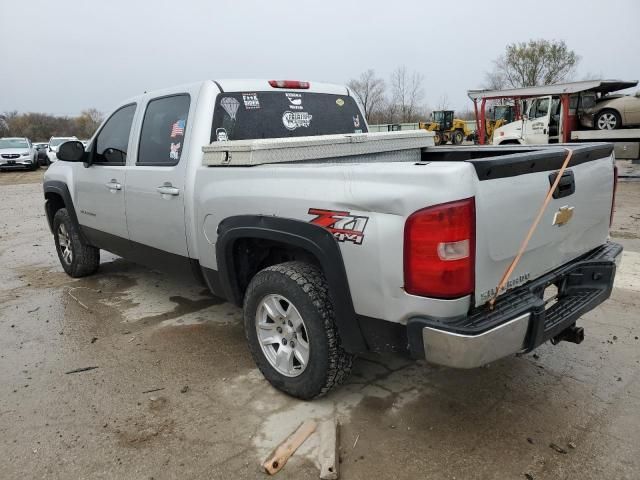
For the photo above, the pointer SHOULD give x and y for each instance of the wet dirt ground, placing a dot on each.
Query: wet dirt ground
(175, 394)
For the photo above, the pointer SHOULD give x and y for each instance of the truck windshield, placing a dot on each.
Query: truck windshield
(256, 115)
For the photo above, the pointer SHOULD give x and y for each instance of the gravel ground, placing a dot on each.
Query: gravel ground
(176, 395)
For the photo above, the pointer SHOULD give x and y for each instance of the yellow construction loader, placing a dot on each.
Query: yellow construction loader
(446, 128)
(499, 115)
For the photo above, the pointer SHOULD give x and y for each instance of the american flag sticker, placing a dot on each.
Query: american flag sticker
(177, 129)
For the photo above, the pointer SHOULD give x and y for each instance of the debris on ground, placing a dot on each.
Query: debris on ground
(278, 458)
(184, 389)
(571, 445)
(34, 310)
(557, 448)
(356, 442)
(153, 390)
(528, 476)
(94, 339)
(530, 440)
(82, 369)
(328, 452)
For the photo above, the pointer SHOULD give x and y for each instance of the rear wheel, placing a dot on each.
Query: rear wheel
(77, 258)
(291, 332)
(608, 120)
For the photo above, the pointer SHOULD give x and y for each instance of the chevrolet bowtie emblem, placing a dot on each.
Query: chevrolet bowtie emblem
(563, 215)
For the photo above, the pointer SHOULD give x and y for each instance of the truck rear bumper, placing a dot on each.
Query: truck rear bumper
(521, 320)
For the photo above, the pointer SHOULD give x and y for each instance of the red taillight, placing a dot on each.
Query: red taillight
(296, 84)
(613, 198)
(439, 250)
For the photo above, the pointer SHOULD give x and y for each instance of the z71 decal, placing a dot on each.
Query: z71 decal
(344, 226)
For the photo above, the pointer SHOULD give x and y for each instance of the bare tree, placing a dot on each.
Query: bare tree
(536, 62)
(443, 102)
(494, 80)
(88, 122)
(406, 93)
(370, 91)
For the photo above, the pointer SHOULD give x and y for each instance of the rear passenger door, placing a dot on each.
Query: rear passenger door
(156, 181)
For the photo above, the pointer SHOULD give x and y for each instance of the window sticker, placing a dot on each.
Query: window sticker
(293, 120)
(221, 135)
(295, 101)
(174, 153)
(357, 130)
(230, 106)
(251, 101)
(177, 128)
(356, 121)
(339, 102)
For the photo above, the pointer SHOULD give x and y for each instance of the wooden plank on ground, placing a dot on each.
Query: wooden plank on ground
(278, 458)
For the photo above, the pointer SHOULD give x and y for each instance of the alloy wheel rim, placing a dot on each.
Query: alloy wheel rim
(283, 335)
(64, 241)
(607, 121)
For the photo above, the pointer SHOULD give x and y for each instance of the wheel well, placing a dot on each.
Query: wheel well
(608, 109)
(510, 142)
(250, 255)
(54, 202)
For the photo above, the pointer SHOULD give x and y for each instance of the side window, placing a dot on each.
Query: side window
(113, 140)
(539, 108)
(163, 129)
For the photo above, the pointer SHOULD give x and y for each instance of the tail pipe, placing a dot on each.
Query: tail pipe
(572, 334)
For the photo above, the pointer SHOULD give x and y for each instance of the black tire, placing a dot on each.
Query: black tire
(610, 118)
(84, 259)
(306, 288)
(458, 137)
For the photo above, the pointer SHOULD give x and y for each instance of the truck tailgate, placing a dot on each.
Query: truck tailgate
(508, 200)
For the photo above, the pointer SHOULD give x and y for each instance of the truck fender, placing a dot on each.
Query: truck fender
(53, 188)
(302, 235)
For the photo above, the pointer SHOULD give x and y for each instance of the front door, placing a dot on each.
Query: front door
(100, 188)
(156, 182)
(536, 126)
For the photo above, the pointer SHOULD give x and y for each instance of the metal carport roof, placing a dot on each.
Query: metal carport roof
(602, 86)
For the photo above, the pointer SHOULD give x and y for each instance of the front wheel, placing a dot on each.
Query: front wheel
(77, 258)
(291, 331)
(458, 137)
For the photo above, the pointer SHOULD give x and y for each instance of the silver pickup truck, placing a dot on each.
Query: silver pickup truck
(336, 241)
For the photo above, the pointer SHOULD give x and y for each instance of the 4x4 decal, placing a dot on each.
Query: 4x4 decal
(344, 226)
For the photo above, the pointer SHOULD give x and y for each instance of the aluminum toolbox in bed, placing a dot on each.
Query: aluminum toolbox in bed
(282, 150)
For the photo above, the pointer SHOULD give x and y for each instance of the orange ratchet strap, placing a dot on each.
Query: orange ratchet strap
(525, 242)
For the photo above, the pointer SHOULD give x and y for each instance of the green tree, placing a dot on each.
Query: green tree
(533, 63)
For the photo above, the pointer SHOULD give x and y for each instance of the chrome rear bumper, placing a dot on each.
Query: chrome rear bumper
(521, 320)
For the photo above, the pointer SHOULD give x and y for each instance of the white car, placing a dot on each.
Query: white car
(16, 153)
(54, 143)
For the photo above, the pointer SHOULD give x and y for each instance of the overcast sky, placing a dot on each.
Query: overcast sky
(67, 55)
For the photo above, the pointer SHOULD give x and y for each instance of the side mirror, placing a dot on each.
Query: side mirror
(72, 151)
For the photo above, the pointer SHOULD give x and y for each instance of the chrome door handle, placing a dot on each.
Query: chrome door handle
(168, 189)
(113, 185)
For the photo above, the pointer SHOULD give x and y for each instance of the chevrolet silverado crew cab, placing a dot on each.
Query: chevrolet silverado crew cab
(336, 241)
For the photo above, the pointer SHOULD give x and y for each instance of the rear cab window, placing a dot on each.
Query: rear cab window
(163, 130)
(282, 114)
